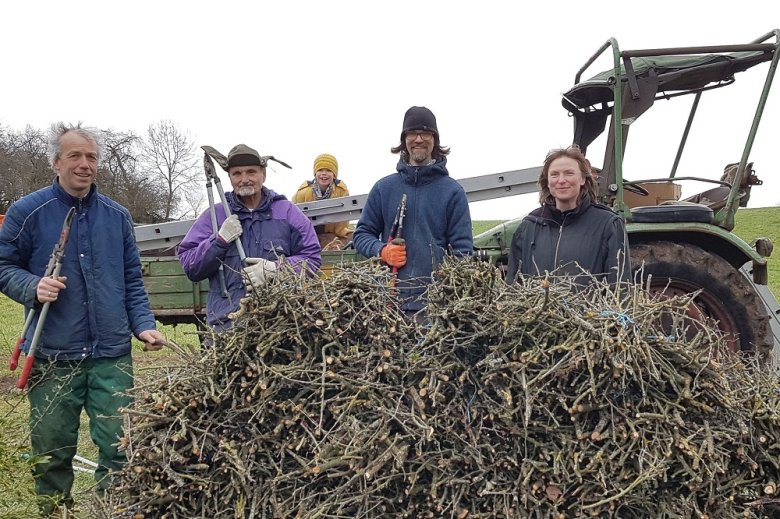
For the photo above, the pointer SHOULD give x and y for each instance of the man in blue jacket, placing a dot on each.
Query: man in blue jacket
(437, 220)
(83, 358)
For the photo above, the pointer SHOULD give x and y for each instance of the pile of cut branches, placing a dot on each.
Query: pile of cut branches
(533, 400)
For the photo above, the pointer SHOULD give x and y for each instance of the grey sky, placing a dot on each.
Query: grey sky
(298, 78)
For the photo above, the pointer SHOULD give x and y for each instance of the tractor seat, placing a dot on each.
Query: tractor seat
(714, 198)
(682, 211)
(700, 207)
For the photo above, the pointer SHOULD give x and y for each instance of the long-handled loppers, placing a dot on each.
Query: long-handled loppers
(211, 174)
(52, 270)
(397, 230)
(214, 225)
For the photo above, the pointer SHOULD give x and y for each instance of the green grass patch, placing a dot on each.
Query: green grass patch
(480, 226)
(16, 483)
(11, 322)
(762, 222)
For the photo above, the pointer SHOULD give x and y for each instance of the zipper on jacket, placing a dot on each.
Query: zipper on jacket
(558, 244)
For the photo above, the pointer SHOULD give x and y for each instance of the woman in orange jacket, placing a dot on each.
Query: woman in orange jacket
(325, 184)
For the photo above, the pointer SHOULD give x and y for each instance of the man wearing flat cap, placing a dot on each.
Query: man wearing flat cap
(325, 184)
(437, 220)
(270, 227)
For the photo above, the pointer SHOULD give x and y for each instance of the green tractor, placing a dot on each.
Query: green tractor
(680, 245)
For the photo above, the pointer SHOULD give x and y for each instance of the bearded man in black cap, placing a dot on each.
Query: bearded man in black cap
(437, 220)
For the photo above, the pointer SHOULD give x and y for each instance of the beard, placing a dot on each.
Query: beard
(246, 191)
(419, 156)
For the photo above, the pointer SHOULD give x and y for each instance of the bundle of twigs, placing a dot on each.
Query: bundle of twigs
(535, 400)
(607, 408)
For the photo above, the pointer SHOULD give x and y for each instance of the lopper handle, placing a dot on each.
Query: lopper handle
(28, 364)
(18, 348)
(393, 280)
(15, 355)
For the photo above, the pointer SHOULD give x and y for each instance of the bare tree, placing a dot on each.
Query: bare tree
(145, 200)
(194, 203)
(31, 144)
(122, 179)
(119, 161)
(24, 166)
(6, 164)
(170, 157)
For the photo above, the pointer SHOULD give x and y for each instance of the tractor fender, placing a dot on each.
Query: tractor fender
(708, 237)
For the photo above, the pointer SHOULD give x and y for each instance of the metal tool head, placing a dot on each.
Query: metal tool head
(59, 249)
(69, 218)
(211, 153)
(266, 158)
(402, 214)
(208, 167)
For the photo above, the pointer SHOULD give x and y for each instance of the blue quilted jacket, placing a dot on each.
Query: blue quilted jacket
(104, 301)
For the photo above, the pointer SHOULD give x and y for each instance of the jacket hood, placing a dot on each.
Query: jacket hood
(418, 175)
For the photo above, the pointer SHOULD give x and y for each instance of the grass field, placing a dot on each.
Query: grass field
(762, 222)
(481, 226)
(15, 480)
(16, 499)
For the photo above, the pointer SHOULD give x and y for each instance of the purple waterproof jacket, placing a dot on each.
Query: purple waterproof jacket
(274, 229)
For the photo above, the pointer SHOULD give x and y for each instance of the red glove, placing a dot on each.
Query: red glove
(394, 253)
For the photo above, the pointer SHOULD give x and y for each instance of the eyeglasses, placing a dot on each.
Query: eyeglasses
(424, 135)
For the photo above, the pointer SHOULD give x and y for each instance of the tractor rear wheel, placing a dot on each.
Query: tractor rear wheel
(727, 297)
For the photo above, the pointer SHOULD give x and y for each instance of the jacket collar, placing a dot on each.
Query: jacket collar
(551, 213)
(269, 197)
(73, 201)
(415, 175)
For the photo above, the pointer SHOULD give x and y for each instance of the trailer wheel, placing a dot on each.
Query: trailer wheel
(727, 297)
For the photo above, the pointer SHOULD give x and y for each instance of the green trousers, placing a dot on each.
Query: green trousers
(59, 390)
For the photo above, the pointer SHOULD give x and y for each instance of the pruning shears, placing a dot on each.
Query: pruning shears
(52, 270)
(397, 229)
(398, 221)
(211, 174)
(214, 225)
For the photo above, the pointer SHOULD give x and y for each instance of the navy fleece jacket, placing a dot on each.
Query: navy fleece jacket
(437, 222)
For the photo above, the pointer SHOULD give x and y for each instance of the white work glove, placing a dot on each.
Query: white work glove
(258, 272)
(230, 229)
